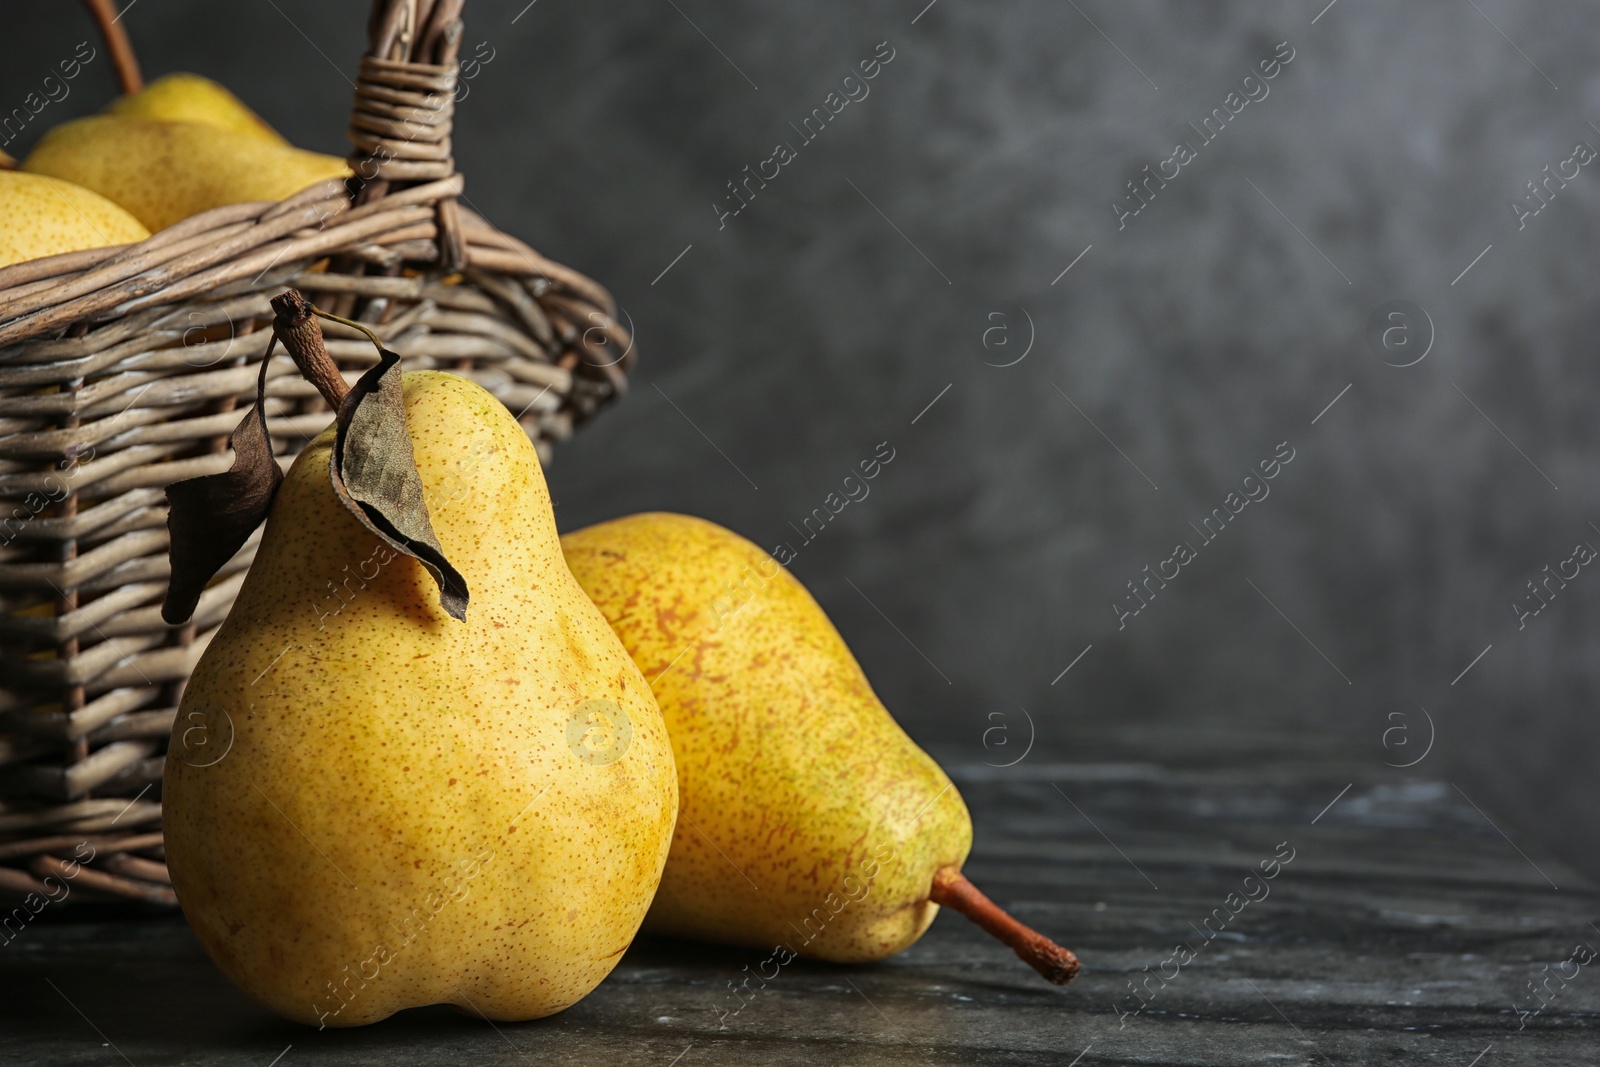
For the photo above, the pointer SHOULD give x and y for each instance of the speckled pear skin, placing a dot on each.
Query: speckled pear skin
(807, 818)
(42, 216)
(400, 819)
(184, 97)
(163, 172)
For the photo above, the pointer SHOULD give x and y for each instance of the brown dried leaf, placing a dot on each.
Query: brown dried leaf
(374, 473)
(211, 517)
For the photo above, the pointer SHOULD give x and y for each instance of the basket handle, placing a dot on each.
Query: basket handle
(115, 35)
(404, 108)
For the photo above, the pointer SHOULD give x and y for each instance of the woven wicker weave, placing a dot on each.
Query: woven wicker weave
(124, 369)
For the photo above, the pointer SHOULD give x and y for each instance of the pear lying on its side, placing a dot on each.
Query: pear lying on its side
(42, 216)
(371, 806)
(192, 98)
(163, 172)
(808, 819)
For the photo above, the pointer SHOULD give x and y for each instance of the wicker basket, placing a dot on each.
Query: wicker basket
(124, 369)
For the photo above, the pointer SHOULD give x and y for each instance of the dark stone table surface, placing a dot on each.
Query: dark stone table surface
(1406, 928)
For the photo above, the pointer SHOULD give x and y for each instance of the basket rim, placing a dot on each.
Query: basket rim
(224, 244)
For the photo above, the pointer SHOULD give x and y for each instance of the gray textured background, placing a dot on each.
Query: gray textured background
(1217, 324)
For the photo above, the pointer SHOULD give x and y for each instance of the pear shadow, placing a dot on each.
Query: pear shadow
(661, 950)
(146, 983)
(717, 963)
(143, 978)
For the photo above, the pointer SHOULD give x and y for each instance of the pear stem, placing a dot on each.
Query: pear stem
(296, 325)
(952, 890)
(115, 35)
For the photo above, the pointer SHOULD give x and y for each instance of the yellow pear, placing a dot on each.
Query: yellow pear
(371, 806)
(192, 98)
(163, 172)
(809, 823)
(42, 216)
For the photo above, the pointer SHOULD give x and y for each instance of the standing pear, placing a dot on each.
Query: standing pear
(372, 805)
